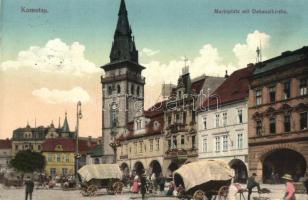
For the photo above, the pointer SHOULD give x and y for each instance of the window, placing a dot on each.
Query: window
(140, 146)
(132, 89)
(303, 87)
(121, 149)
(39, 147)
(66, 158)
(240, 141)
(204, 145)
(138, 124)
(16, 147)
(225, 118)
(286, 90)
(177, 118)
(138, 91)
(225, 143)
(58, 158)
(157, 144)
(49, 157)
(182, 139)
(193, 116)
(169, 144)
(272, 125)
(151, 144)
(135, 147)
(53, 172)
(179, 94)
(174, 142)
(258, 127)
(193, 142)
(204, 123)
(240, 116)
(258, 97)
(118, 89)
(217, 144)
(109, 90)
(64, 171)
(287, 125)
(217, 120)
(303, 121)
(272, 94)
(184, 118)
(169, 119)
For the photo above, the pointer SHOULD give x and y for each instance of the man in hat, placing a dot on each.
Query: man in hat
(290, 189)
(29, 188)
(252, 183)
(143, 182)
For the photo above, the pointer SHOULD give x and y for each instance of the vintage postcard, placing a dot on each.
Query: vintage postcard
(154, 99)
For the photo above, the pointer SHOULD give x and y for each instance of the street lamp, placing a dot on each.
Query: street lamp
(77, 156)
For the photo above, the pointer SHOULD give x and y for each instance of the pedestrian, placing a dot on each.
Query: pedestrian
(135, 186)
(290, 189)
(154, 181)
(29, 188)
(305, 181)
(252, 183)
(161, 183)
(143, 184)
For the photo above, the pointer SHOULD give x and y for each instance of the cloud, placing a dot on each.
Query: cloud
(56, 56)
(149, 52)
(62, 96)
(246, 53)
(208, 62)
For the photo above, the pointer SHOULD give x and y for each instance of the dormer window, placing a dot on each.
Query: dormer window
(156, 125)
(138, 124)
(180, 94)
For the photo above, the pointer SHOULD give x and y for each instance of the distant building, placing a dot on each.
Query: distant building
(278, 119)
(5, 153)
(29, 138)
(94, 156)
(223, 123)
(60, 155)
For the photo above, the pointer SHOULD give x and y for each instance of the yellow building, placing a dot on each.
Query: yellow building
(59, 154)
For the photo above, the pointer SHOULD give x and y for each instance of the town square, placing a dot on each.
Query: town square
(108, 100)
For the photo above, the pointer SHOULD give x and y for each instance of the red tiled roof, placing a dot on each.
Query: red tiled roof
(233, 89)
(5, 144)
(67, 144)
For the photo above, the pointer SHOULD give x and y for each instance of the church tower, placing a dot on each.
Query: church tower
(122, 84)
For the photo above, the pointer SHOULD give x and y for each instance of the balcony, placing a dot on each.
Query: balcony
(128, 76)
(177, 127)
(181, 154)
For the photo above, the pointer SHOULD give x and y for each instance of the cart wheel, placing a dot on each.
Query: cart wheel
(117, 187)
(199, 195)
(92, 190)
(223, 193)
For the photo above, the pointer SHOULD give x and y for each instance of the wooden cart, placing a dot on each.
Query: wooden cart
(203, 180)
(101, 176)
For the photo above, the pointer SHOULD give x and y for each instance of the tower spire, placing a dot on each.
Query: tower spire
(123, 47)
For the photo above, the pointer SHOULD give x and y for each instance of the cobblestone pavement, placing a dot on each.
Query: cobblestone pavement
(58, 194)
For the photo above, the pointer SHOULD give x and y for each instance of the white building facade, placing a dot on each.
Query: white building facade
(223, 128)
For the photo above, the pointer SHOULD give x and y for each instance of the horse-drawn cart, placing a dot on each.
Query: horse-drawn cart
(203, 180)
(99, 176)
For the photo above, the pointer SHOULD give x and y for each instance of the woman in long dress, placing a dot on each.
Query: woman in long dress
(135, 187)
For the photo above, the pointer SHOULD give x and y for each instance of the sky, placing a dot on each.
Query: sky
(49, 61)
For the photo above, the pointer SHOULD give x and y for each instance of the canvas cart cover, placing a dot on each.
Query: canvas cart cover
(100, 171)
(200, 172)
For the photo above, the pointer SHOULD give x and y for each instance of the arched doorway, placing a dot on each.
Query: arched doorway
(155, 168)
(281, 161)
(240, 170)
(172, 167)
(138, 168)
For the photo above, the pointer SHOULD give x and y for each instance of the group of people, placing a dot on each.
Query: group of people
(289, 186)
(143, 184)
